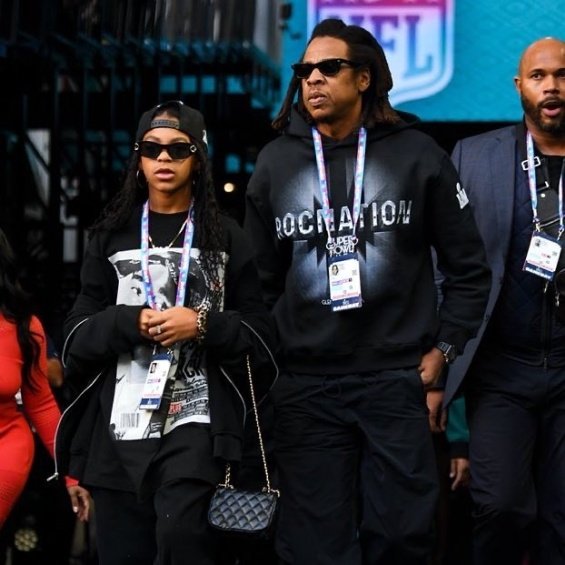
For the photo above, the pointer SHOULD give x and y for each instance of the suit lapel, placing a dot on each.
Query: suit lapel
(503, 173)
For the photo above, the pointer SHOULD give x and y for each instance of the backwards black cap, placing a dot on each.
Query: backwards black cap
(190, 121)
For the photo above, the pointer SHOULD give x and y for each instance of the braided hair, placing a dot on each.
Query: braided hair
(363, 49)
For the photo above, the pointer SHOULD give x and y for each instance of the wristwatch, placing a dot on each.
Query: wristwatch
(448, 350)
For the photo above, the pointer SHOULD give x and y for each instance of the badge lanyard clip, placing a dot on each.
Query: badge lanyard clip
(544, 250)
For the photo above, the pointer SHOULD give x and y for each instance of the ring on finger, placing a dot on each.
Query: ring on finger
(158, 329)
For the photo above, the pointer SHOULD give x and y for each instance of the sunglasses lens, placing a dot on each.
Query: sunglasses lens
(179, 150)
(149, 149)
(152, 150)
(330, 67)
(303, 70)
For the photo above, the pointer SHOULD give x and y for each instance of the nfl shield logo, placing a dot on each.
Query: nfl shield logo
(416, 35)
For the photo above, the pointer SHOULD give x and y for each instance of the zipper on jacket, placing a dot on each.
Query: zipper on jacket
(55, 475)
(545, 327)
(225, 373)
(67, 341)
(271, 356)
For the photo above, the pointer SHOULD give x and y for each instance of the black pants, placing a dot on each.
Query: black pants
(517, 450)
(171, 528)
(357, 469)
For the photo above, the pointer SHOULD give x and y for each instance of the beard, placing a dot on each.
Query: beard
(554, 126)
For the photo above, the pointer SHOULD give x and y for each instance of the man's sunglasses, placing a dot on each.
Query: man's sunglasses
(176, 151)
(328, 67)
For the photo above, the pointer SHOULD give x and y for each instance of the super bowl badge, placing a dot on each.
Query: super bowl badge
(543, 255)
(345, 282)
(155, 381)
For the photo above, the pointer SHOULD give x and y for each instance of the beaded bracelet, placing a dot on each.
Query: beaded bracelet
(201, 323)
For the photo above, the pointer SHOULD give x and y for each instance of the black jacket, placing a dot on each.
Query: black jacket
(412, 201)
(98, 331)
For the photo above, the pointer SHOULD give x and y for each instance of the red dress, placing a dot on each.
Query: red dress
(39, 406)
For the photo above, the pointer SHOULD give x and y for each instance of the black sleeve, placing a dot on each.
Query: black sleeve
(273, 256)
(461, 258)
(96, 329)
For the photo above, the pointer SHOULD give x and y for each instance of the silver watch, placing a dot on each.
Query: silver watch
(448, 350)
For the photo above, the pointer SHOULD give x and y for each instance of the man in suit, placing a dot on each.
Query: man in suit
(515, 368)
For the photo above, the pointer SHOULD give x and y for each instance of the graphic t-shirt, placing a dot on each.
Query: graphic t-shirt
(185, 398)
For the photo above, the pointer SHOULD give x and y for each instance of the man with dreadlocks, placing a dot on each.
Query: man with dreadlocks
(352, 184)
(158, 337)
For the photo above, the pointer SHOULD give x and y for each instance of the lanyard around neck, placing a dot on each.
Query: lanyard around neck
(532, 183)
(184, 263)
(323, 181)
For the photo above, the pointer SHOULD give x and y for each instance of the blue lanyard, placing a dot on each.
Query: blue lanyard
(533, 187)
(323, 181)
(184, 263)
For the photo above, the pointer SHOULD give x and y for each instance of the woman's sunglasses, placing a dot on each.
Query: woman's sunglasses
(176, 151)
(328, 67)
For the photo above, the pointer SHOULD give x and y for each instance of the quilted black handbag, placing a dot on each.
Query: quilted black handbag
(243, 512)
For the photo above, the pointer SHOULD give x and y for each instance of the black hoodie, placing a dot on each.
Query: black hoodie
(412, 201)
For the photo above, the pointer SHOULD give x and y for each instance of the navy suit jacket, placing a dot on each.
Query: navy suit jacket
(487, 167)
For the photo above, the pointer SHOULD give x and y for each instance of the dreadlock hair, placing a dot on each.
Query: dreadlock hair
(364, 49)
(15, 307)
(207, 226)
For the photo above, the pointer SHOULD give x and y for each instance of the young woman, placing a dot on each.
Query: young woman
(168, 311)
(23, 367)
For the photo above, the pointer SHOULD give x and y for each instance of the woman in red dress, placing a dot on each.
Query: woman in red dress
(23, 367)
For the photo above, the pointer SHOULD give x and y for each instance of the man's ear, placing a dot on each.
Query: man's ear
(363, 80)
(518, 84)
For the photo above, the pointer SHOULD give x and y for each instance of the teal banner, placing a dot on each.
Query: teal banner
(451, 60)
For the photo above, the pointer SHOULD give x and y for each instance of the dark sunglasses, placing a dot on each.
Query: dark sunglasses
(176, 151)
(328, 67)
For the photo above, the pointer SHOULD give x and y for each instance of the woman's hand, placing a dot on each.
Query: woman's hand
(169, 326)
(80, 501)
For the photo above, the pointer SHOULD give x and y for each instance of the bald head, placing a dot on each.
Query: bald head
(540, 49)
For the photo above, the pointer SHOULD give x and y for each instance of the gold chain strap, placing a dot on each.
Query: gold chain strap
(267, 488)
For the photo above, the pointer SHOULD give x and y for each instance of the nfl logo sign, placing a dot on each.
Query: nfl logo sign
(416, 35)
